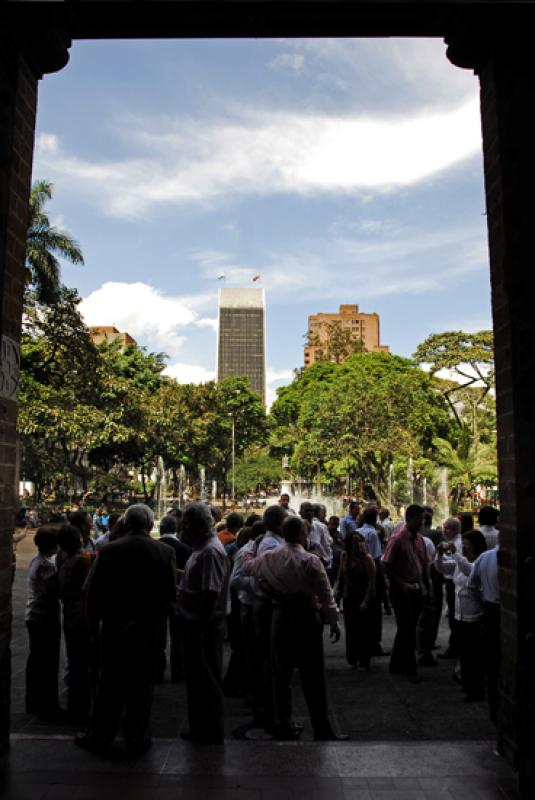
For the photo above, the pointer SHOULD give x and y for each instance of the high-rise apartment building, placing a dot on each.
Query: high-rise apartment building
(241, 341)
(108, 334)
(360, 326)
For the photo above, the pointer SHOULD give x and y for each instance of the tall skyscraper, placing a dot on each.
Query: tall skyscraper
(241, 341)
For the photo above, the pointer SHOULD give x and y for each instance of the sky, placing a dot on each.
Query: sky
(341, 171)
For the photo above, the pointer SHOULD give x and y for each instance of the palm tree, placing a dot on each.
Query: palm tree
(43, 243)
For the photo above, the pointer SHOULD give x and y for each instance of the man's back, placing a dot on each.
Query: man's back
(133, 580)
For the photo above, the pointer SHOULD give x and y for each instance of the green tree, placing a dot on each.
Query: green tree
(334, 342)
(256, 471)
(44, 243)
(469, 357)
(360, 416)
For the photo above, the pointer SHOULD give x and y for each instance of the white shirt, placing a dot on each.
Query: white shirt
(388, 526)
(468, 607)
(320, 542)
(484, 577)
(291, 570)
(207, 570)
(491, 535)
(240, 580)
(42, 604)
(371, 540)
(430, 547)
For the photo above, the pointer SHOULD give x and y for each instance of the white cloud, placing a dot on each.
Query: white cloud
(145, 313)
(189, 373)
(263, 153)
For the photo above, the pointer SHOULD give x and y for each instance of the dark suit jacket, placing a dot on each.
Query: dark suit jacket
(133, 583)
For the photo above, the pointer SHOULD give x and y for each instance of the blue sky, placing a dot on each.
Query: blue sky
(342, 171)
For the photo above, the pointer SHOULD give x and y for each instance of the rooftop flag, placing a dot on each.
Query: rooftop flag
(221, 277)
(256, 278)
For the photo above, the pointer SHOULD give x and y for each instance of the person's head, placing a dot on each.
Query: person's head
(118, 529)
(258, 528)
(197, 523)
(428, 516)
(274, 517)
(474, 543)
(46, 540)
(414, 516)
(177, 514)
(251, 519)
(333, 524)
(113, 519)
(139, 518)
(168, 524)
(234, 522)
(245, 535)
(320, 511)
(488, 515)
(354, 509)
(294, 531)
(81, 520)
(70, 539)
(467, 522)
(384, 513)
(284, 500)
(369, 516)
(306, 511)
(217, 514)
(452, 528)
(355, 545)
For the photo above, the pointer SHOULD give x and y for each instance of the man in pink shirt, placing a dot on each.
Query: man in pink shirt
(406, 563)
(299, 588)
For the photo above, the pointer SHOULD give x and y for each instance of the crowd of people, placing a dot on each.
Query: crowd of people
(268, 585)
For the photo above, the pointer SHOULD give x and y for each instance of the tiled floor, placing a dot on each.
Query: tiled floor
(54, 769)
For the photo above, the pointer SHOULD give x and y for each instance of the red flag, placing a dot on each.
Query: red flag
(256, 278)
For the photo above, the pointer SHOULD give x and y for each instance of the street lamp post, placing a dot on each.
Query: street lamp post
(232, 494)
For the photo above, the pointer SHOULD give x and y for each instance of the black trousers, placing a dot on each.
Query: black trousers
(492, 655)
(359, 637)
(176, 657)
(407, 608)
(233, 682)
(469, 638)
(126, 682)
(42, 667)
(203, 656)
(262, 668)
(248, 640)
(79, 658)
(376, 607)
(297, 641)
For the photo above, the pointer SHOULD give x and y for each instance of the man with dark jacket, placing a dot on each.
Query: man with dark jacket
(130, 591)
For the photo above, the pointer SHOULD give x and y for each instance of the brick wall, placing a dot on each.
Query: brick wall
(18, 89)
(508, 114)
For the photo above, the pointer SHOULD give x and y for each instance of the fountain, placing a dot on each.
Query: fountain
(445, 505)
(410, 479)
(424, 491)
(161, 489)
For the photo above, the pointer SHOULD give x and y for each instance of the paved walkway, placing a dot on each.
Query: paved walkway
(408, 742)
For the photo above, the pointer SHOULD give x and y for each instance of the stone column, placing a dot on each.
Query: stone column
(503, 60)
(24, 57)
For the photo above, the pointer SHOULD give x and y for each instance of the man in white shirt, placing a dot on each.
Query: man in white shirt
(484, 581)
(284, 502)
(319, 539)
(488, 517)
(300, 588)
(452, 534)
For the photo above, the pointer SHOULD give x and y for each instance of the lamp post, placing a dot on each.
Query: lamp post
(232, 493)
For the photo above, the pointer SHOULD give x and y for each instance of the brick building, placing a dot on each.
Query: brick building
(362, 327)
(109, 334)
(494, 41)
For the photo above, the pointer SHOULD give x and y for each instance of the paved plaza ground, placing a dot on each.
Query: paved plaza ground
(409, 742)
